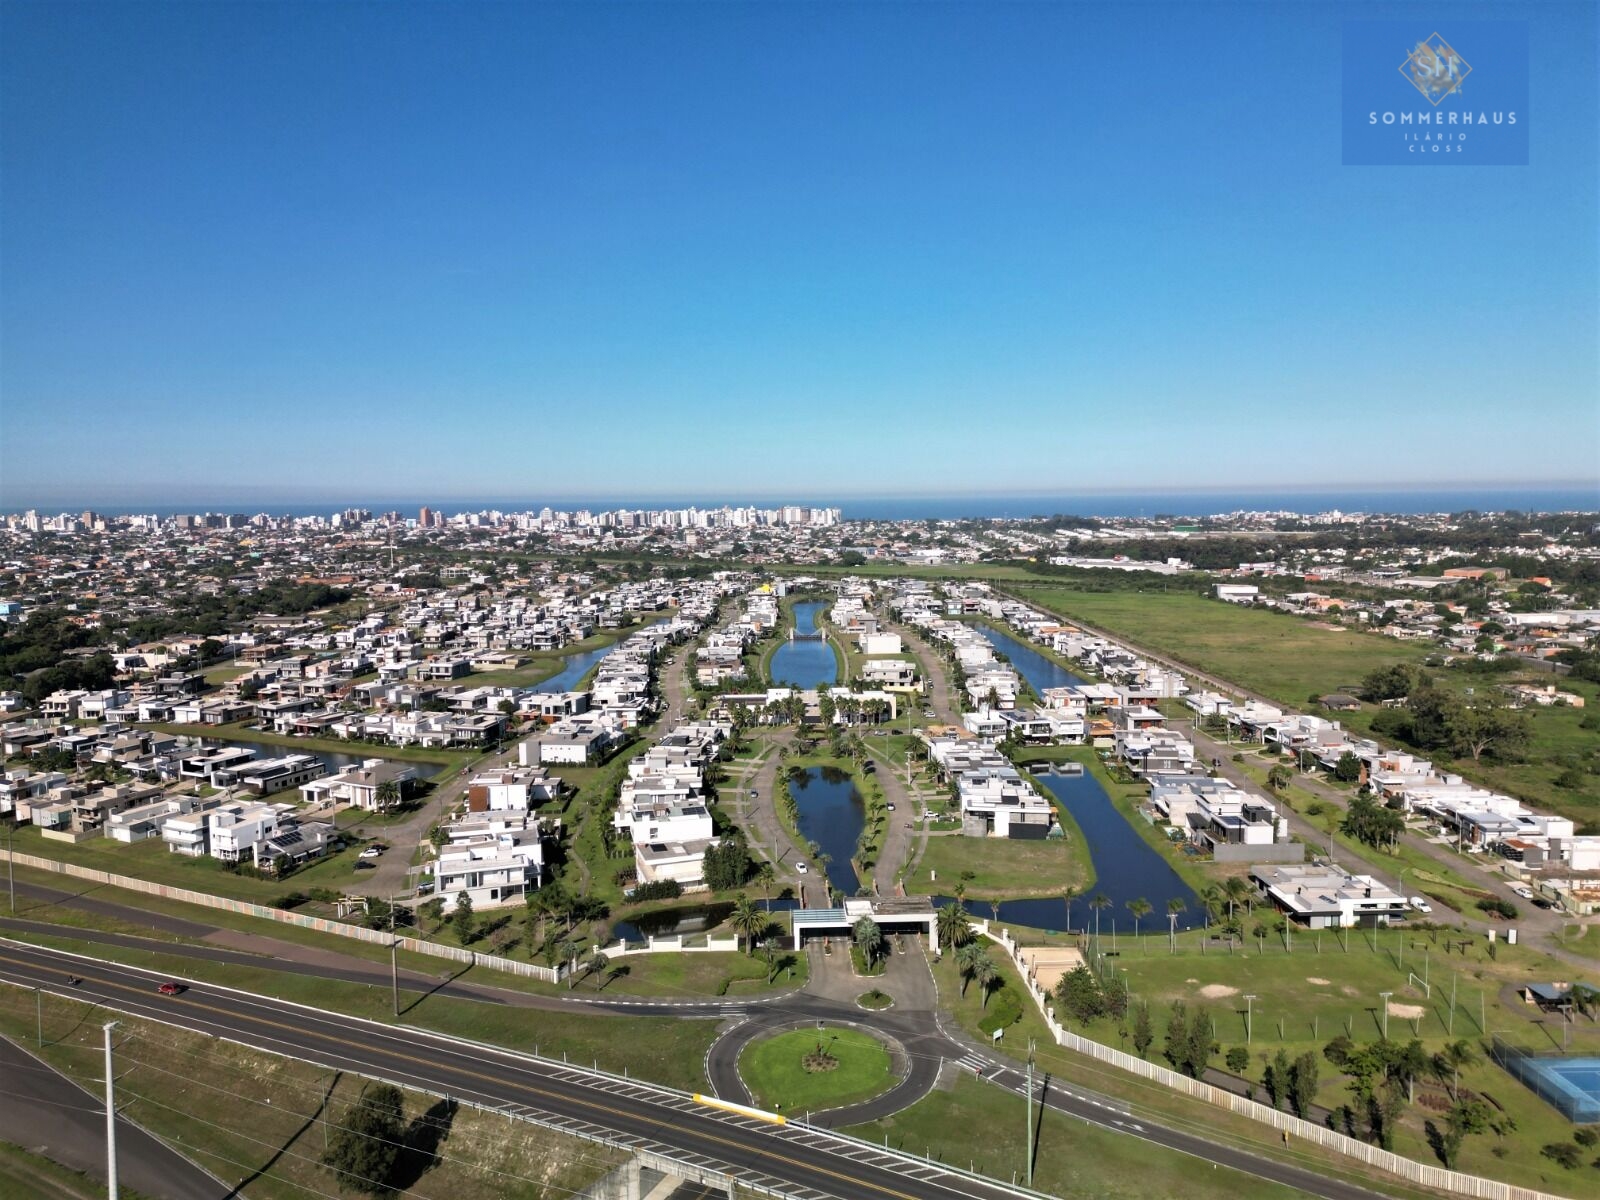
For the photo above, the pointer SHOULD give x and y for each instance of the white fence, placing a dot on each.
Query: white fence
(265, 912)
(1306, 1131)
(672, 945)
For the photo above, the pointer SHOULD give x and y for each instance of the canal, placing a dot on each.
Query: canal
(573, 668)
(1126, 867)
(832, 815)
(1039, 671)
(805, 662)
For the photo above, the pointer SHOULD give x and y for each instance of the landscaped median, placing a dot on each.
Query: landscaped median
(813, 1070)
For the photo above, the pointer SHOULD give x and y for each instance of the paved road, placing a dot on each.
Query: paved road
(641, 1115)
(805, 1161)
(43, 1111)
(941, 696)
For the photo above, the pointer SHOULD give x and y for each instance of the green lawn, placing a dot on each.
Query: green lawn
(667, 1050)
(257, 1120)
(1281, 656)
(1331, 985)
(774, 1070)
(25, 1174)
(1001, 867)
(978, 1127)
(150, 860)
(686, 976)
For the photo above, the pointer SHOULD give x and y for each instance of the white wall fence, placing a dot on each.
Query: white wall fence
(376, 937)
(676, 944)
(1306, 1131)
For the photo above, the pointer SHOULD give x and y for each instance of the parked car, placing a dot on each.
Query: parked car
(754, 794)
(371, 852)
(1525, 892)
(172, 989)
(891, 806)
(1421, 905)
(800, 867)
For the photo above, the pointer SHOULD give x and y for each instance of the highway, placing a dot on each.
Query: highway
(802, 1160)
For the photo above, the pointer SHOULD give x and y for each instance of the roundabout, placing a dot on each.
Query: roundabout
(815, 1070)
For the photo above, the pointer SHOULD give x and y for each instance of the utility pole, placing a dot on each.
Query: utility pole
(11, 864)
(1249, 1019)
(394, 959)
(111, 1120)
(1027, 1110)
(1384, 996)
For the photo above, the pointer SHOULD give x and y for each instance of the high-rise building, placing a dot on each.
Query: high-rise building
(425, 516)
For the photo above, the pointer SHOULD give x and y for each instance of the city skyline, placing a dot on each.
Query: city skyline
(638, 253)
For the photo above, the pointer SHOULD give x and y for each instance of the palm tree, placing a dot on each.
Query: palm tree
(966, 958)
(598, 963)
(953, 927)
(570, 949)
(1140, 908)
(1099, 902)
(748, 920)
(984, 973)
(1067, 896)
(387, 795)
(1236, 890)
(869, 937)
(765, 877)
(1175, 906)
(1455, 1056)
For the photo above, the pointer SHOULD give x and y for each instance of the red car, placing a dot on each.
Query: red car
(171, 989)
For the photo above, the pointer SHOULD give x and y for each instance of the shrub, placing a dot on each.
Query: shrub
(1005, 1008)
(1563, 1154)
(1586, 1135)
(1238, 1060)
(1496, 907)
(290, 900)
(658, 889)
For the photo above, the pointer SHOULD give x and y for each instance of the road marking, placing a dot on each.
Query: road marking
(305, 1030)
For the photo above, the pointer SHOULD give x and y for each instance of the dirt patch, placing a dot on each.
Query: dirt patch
(1406, 1012)
(1191, 981)
(1216, 991)
(1318, 980)
(1349, 991)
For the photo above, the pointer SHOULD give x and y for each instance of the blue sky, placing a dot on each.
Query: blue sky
(326, 250)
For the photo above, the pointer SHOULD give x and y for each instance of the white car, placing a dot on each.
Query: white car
(1421, 905)
(1525, 892)
(800, 867)
(370, 852)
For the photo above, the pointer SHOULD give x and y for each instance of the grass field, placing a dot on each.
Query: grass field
(260, 1120)
(1288, 659)
(666, 1049)
(151, 860)
(1001, 867)
(1332, 984)
(774, 1070)
(1277, 655)
(23, 1174)
(975, 1126)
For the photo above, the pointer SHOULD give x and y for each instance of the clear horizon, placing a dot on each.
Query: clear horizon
(829, 250)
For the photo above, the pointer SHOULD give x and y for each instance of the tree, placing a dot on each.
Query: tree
(570, 948)
(953, 926)
(1451, 1059)
(764, 878)
(966, 961)
(1348, 768)
(1143, 1030)
(1175, 908)
(985, 974)
(748, 921)
(1466, 1118)
(1099, 902)
(1202, 1043)
(1371, 823)
(1275, 1078)
(1177, 1040)
(463, 918)
(599, 963)
(387, 795)
(1238, 1060)
(869, 937)
(1140, 908)
(365, 1146)
(1079, 994)
(1279, 778)
(433, 911)
(1302, 1083)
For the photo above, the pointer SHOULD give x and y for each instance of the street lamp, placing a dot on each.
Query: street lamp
(1249, 1022)
(1400, 886)
(1384, 996)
